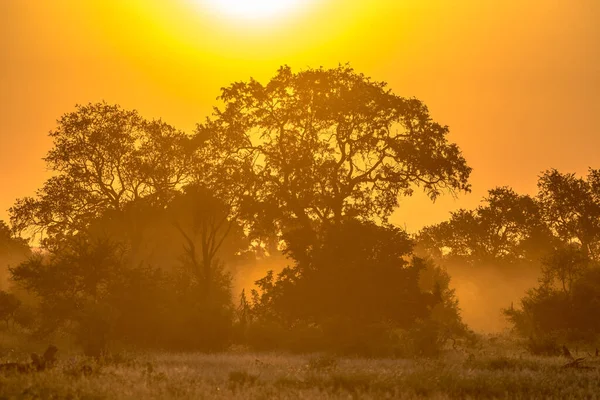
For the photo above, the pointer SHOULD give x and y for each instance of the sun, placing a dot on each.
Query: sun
(253, 9)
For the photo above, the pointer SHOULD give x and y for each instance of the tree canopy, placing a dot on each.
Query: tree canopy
(329, 143)
(103, 157)
(572, 207)
(507, 228)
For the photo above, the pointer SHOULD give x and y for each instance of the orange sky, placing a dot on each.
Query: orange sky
(518, 81)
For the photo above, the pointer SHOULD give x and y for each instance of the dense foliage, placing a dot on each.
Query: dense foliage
(329, 143)
(89, 289)
(554, 235)
(140, 224)
(566, 303)
(354, 288)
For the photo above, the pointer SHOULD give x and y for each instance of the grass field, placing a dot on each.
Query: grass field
(496, 368)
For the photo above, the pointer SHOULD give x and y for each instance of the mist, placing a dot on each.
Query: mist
(483, 292)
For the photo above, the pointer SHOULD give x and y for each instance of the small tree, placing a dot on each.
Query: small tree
(207, 227)
(13, 250)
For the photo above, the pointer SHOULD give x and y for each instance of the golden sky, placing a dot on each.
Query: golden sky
(517, 81)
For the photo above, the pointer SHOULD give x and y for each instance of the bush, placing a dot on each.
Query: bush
(90, 290)
(564, 306)
(425, 339)
(543, 345)
(351, 289)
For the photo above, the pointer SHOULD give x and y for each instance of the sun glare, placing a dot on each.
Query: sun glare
(252, 9)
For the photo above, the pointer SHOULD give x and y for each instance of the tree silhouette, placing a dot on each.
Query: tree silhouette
(563, 267)
(103, 156)
(329, 143)
(13, 250)
(9, 243)
(508, 228)
(357, 283)
(571, 207)
(315, 160)
(206, 225)
(74, 286)
(565, 303)
(378, 283)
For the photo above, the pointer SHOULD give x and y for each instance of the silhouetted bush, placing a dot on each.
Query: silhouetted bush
(88, 289)
(357, 287)
(425, 339)
(196, 320)
(565, 305)
(9, 305)
(543, 345)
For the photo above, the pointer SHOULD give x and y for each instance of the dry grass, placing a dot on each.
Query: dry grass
(496, 369)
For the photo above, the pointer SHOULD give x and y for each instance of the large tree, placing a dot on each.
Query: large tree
(103, 157)
(329, 143)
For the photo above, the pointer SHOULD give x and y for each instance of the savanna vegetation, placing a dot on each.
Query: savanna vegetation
(130, 254)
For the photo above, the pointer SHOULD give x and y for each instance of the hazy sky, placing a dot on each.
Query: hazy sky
(517, 81)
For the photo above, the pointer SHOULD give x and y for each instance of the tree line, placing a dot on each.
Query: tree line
(141, 225)
(555, 233)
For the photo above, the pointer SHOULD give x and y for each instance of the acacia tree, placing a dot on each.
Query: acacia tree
(103, 157)
(329, 143)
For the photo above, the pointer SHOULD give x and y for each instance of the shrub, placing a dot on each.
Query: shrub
(565, 303)
(90, 290)
(425, 339)
(352, 287)
(543, 345)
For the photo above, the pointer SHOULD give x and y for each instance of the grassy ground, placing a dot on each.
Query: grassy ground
(497, 368)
